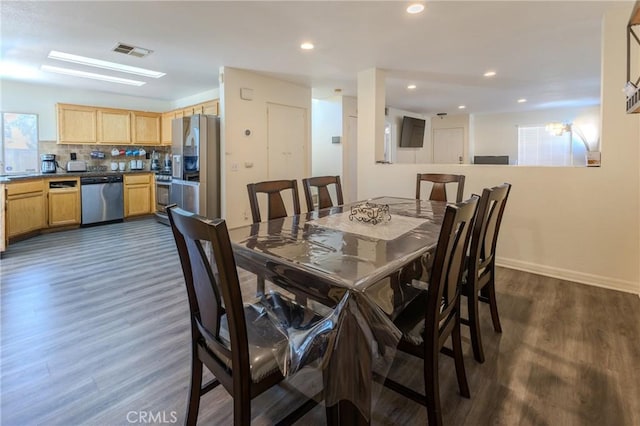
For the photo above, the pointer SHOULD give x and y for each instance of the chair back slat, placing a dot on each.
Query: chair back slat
(446, 273)
(324, 197)
(439, 181)
(275, 203)
(485, 233)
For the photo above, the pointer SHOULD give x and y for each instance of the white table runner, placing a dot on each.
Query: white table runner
(397, 226)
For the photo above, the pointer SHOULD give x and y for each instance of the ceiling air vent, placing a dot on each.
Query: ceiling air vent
(139, 52)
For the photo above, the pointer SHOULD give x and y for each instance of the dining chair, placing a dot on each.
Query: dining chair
(439, 181)
(434, 316)
(236, 342)
(324, 198)
(275, 203)
(479, 279)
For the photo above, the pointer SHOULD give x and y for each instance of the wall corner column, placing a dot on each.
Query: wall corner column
(371, 103)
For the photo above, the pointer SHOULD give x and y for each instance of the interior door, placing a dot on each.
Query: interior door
(287, 144)
(448, 145)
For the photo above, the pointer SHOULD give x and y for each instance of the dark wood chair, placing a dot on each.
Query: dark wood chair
(275, 203)
(439, 190)
(237, 344)
(324, 198)
(431, 318)
(479, 282)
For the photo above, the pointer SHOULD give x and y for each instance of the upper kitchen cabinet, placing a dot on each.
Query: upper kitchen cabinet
(146, 128)
(77, 124)
(166, 127)
(210, 108)
(114, 126)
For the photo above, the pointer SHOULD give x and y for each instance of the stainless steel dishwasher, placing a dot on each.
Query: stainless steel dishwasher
(102, 199)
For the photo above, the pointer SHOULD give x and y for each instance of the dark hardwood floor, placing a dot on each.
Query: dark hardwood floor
(94, 331)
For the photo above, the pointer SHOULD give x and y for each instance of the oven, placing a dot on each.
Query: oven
(163, 196)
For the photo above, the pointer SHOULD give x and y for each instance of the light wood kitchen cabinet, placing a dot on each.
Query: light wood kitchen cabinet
(77, 124)
(166, 127)
(3, 231)
(63, 196)
(25, 208)
(114, 126)
(208, 108)
(146, 128)
(138, 194)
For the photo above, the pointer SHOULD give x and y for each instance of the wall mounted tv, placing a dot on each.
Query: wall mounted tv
(412, 134)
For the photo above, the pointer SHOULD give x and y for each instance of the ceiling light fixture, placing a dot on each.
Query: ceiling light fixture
(462, 106)
(411, 86)
(84, 74)
(306, 46)
(415, 8)
(489, 74)
(113, 66)
(522, 100)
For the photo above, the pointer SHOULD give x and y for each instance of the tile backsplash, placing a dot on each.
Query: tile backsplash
(83, 153)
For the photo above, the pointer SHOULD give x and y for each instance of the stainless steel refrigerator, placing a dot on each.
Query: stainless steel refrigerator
(195, 180)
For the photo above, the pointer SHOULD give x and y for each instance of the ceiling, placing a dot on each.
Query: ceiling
(546, 52)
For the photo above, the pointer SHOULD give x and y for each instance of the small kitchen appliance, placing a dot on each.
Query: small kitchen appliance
(155, 161)
(76, 166)
(167, 163)
(48, 163)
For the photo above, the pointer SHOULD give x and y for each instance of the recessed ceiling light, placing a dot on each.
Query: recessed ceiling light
(411, 86)
(84, 74)
(415, 8)
(489, 74)
(306, 46)
(82, 60)
(522, 100)
(462, 106)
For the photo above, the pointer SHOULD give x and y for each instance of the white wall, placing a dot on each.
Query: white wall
(497, 134)
(408, 155)
(196, 99)
(580, 224)
(326, 119)
(238, 115)
(41, 100)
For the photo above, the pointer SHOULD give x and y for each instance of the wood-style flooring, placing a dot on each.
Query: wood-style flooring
(95, 331)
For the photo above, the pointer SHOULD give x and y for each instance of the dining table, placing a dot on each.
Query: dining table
(362, 263)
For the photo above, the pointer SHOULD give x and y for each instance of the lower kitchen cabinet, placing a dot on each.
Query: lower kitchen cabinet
(138, 194)
(3, 230)
(26, 207)
(64, 202)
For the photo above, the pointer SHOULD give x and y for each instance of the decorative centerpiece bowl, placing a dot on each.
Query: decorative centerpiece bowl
(370, 213)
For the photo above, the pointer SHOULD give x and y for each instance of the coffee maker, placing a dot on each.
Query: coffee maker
(48, 163)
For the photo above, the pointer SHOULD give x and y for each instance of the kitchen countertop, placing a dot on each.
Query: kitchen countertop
(26, 176)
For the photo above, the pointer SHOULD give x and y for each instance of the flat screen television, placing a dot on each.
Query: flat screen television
(412, 134)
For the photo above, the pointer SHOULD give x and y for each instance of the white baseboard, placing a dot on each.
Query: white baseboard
(569, 275)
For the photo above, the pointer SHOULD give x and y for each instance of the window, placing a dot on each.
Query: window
(537, 147)
(19, 150)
